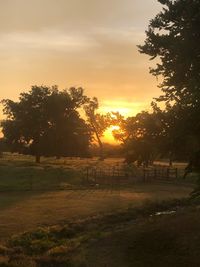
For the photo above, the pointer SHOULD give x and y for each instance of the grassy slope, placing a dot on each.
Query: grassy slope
(20, 173)
(24, 210)
(131, 238)
(112, 241)
(27, 210)
(170, 240)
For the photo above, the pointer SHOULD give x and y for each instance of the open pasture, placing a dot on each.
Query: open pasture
(21, 173)
(49, 193)
(23, 211)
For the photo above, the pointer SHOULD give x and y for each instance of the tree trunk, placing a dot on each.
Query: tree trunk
(101, 156)
(37, 158)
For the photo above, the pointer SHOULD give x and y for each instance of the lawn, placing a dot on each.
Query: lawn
(103, 226)
(161, 241)
(135, 237)
(21, 173)
(32, 194)
(22, 211)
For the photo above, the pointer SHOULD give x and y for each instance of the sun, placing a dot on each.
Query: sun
(124, 108)
(108, 136)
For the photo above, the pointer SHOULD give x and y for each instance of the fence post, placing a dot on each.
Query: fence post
(168, 173)
(155, 173)
(31, 182)
(144, 175)
(96, 175)
(176, 173)
(87, 174)
(113, 174)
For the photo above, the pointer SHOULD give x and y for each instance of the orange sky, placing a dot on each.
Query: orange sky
(88, 43)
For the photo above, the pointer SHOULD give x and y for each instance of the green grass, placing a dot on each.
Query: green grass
(23, 211)
(21, 173)
(14, 178)
(49, 193)
(132, 237)
(170, 240)
(65, 224)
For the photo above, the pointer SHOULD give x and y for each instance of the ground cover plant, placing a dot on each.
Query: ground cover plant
(133, 237)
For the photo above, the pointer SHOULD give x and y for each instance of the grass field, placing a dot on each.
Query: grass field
(25, 211)
(161, 241)
(50, 196)
(48, 193)
(21, 173)
(134, 237)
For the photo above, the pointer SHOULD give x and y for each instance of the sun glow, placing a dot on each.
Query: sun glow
(108, 135)
(125, 108)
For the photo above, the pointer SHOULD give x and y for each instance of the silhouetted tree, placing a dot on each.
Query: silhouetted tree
(140, 136)
(45, 121)
(27, 119)
(68, 130)
(98, 122)
(2, 147)
(173, 38)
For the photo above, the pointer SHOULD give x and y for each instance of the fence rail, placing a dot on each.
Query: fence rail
(161, 173)
(123, 174)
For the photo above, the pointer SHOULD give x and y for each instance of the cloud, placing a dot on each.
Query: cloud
(45, 40)
(34, 15)
(85, 43)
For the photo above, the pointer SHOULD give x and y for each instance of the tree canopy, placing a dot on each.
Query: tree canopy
(173, 37)
(46, 121)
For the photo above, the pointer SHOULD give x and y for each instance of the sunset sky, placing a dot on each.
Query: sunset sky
(86, 43)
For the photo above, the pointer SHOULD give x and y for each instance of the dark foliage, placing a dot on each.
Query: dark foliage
(46, 122)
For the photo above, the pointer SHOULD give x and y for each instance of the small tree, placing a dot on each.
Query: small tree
(98, 122)
(140, 136)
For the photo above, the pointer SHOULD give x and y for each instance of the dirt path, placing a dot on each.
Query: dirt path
(23, 212)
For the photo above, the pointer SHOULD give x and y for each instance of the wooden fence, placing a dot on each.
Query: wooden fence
(160, 173)
(117, 175)
(107, 176)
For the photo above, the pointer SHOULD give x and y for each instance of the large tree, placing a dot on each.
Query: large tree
(46, 121)
(68, 130)
(27, 120)
(172, 39)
